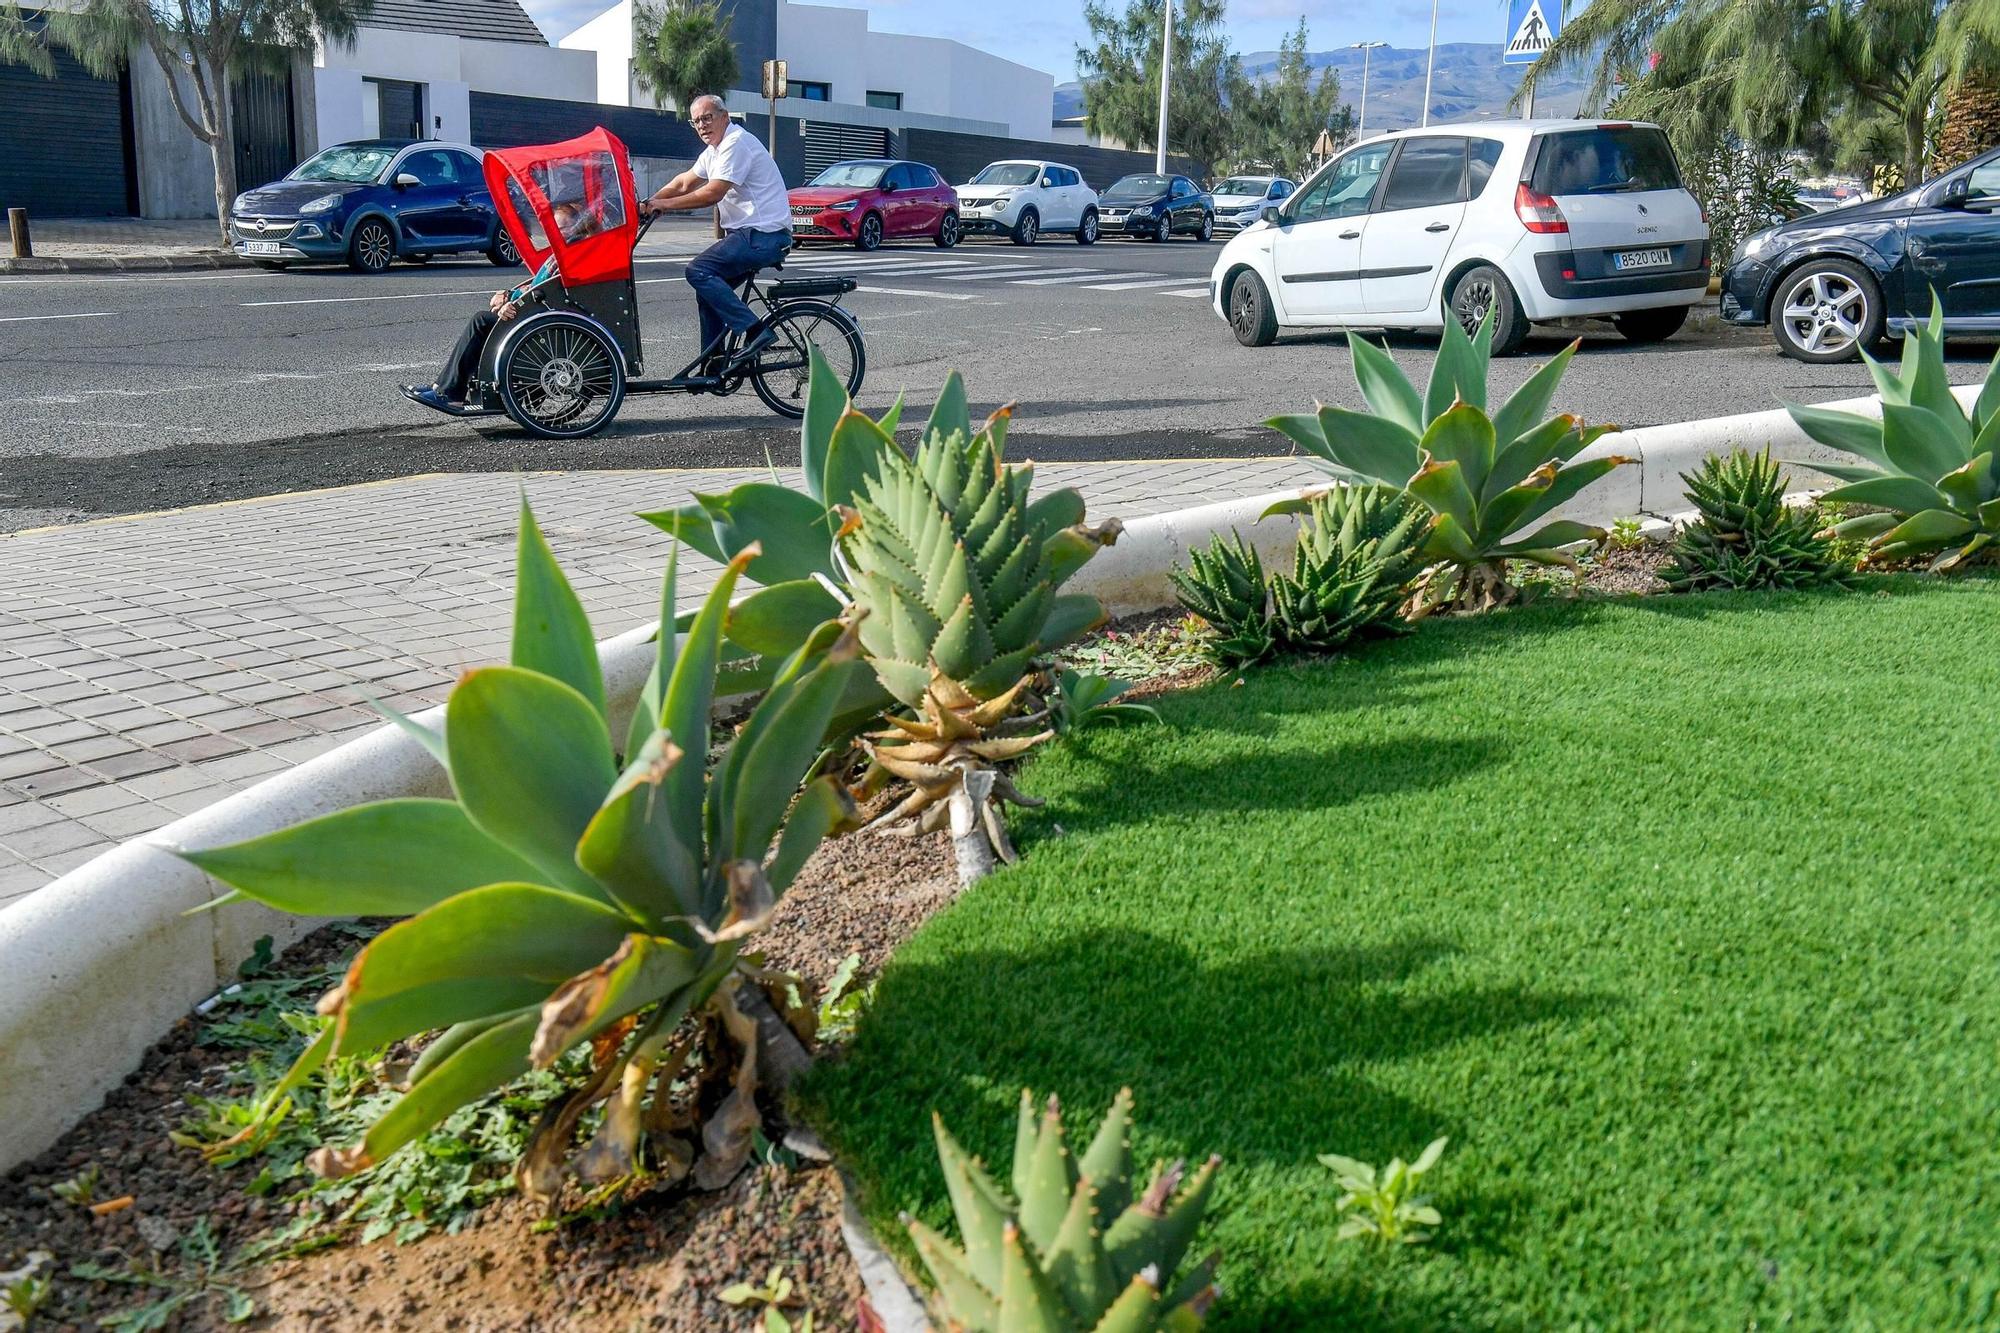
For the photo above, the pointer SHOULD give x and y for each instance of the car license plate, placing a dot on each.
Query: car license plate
(261, 247)
(1644, 259)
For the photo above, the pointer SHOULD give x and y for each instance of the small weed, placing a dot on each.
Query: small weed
(80, 1189)
(202, 1274)
(1624, 534)
(1385, 1206)
(775, 1291)
(24, 1297)
(1083, 700)
(841, 1008)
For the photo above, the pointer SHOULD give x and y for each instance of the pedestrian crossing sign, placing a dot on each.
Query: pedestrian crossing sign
(1529, 32)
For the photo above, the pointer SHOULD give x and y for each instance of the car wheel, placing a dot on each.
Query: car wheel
(1251, 318)
(372, 248)
(1651, 326)
(1086, 234)
(1165, 231)
(1484, 290)
(503, 254)
(1027, 228)
(1827, 310)
(947, 232)
(870, 235)
(1207, 232)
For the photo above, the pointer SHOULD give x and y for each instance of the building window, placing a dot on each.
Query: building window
(887, 101)
(811, 92)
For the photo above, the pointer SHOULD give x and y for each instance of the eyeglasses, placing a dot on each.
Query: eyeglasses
(705, 117)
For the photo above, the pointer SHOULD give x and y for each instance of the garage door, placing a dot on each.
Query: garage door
(828, 143)
(64, 148)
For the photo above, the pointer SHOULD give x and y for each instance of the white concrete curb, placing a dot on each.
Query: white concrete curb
(99, 964)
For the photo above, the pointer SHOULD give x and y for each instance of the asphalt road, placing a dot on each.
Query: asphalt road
(132, 393)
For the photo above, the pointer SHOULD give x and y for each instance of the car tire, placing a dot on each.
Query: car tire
(1835, 285)
(1027, 228)
(1251, 317)
(1207, 232)
(948, 234)
(1651, 326)
(1483, 288)
(1086, 232)
(372, 247)
(1165, 231)
(868, 236)
(503, 254)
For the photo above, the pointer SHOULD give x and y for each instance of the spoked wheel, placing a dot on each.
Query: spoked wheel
(784, 369)
(1827, 312)
(561, 378)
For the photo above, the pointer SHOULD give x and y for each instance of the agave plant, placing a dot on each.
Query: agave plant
(1745, 536)
(852, 464)
(1083, 700)
(956, 569)
(1485, 477)
(1935, 469)
(1224, 587)
(1358, 549)
(1077, 1251)
(558, 898)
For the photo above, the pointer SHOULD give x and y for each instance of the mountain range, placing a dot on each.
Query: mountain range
(1467, 83)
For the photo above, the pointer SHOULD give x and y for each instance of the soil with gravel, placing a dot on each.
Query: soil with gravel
(1616, 571)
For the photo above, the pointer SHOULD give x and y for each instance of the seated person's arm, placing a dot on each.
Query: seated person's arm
(508, 304)
(685, 192)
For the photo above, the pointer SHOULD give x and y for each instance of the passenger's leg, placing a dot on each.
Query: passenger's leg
(463, 363)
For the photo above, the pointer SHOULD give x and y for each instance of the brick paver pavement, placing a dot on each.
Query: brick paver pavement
(151, 665)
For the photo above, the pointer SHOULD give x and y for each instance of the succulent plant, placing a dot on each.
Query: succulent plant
(1935, 469)
(1484, 476)
(956, 569)
(1745, 535)
(1384, 1204)
(1083, 700)
(556, 899)
(1078, 1251)
(1224, 587)
(1358, 549)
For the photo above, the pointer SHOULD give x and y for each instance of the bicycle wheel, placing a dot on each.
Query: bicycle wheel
(784, 369)
(561, 378)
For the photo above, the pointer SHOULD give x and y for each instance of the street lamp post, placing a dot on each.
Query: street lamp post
(1430, 61)
(1365, 48)
(1166, 74)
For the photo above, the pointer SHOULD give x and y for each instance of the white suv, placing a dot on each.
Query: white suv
(1532, 220)
(1023, 199)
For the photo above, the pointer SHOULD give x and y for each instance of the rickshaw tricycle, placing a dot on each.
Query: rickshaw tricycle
(562, 367)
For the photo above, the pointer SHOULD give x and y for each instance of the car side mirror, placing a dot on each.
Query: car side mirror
(1048, 182)
(1272, 214)
(405, 181)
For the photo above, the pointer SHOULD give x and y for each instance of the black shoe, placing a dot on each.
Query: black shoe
(431, 396)
(746, 355)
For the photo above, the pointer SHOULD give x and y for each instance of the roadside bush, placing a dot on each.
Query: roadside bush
(1746, 536)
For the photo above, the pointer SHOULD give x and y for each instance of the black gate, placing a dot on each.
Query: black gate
(399, 107)
(260, 111)
(828, 143)
(65, 143)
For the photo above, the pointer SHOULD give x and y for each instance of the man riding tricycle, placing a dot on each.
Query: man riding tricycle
(559, 353)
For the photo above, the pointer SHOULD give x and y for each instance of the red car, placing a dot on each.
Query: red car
(868, 201)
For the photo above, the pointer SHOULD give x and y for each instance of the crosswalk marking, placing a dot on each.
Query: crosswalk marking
(1010, 271)
(1151, 281)
(880, 265)
(1080, 275)
(1193, 291)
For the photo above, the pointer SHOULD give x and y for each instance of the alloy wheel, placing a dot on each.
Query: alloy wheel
(1243, 311)
(1825, 313)
(375, 247)
(1471, 303)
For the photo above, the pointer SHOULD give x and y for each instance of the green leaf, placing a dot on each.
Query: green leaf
(1302, 429)
(1550, 536)
(432, 741)
(1387, 391)
(1515, 462)
(473, 955)
(893, 418)
(1055, 510)
(531, 762)
(774, 620)
(1987, 406)
(1429, 1157)
(631, 847)
(1904, 494)
(1527, 406)
(1459, 373)
(823, 807)
(774, 762)
(1071, 616)
(491, 1060)
(1919, 442)
(790, 529)
(646, 709)
(386, 858)
(1857, 435)
(1931, 528)
(1464, 436)
(691, 525)
(1568, 482)
(950, 415)
(1968, 487)
(685, 707)
(1370, 446)
(826, 403)
(858, 453)
(551, 632)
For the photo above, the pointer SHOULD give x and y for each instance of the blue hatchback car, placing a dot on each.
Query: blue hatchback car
(370, 203)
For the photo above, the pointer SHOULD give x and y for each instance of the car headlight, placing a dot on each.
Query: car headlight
(321, 204)
(845, 206)
(1759, 245)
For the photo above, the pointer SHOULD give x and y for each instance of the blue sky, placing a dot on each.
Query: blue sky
(1044, 33)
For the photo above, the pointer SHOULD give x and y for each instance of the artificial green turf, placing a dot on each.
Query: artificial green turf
(1679, 916)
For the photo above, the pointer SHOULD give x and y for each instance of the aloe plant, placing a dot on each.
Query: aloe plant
(1224, 588)
(1358, 549)
(1744, 535)
(1932, 466)
(1071, 1248)
(1485, 477)
(557, 898)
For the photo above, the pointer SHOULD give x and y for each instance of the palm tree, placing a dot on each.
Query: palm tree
(682, 49)
(1971, 122)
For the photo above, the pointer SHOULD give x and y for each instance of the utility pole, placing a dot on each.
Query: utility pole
(1366, 49)
(1430, 61)
(1166, 77)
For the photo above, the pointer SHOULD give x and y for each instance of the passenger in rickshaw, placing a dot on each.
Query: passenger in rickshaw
(575, 221)
(736, 175)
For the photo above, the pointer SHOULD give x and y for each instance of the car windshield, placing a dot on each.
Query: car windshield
(1138, 187)
(1250, 185)
(348, 163)
(1009, 173)
(1610, 159)
(852, 175)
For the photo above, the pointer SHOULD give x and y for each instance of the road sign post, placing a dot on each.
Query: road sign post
(1531, 30)
(776, 85)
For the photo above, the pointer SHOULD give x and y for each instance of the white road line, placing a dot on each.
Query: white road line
(1195, 291)
(876, 265)
(1013, 270)
(1082, 275)
(29, 319)
(349, 300)
(1129, 286)
(913, 291)
(859, 271)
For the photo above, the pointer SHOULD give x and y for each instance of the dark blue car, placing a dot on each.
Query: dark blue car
(1830, 284)
(370, 203)
(1156, 207)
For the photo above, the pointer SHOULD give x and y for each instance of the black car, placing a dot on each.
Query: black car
(1830, 284)
(1156, 207)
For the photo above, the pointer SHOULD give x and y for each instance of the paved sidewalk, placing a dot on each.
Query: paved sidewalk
(151, 665)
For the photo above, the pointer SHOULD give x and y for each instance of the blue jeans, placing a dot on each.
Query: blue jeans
(714, 272)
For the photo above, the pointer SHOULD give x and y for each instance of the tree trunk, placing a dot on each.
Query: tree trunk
(1913, 144)
(222, 150)
(1971, 122)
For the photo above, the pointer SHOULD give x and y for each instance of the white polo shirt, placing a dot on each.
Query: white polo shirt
(758, 200)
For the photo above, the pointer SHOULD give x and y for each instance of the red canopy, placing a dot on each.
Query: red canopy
(589, 179)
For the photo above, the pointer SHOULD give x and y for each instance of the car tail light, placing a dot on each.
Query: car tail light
(1538, 212)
